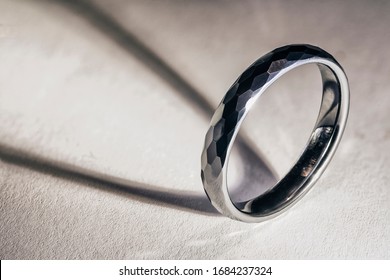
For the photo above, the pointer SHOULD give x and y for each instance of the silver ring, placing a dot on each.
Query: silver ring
(319, 149)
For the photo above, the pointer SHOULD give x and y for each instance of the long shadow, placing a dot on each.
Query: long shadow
(129, 43)
(111, 28)
(142, 192)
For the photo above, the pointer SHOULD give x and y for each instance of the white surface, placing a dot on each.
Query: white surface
(73, 96)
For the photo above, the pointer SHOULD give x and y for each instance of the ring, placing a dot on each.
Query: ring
(319, 149)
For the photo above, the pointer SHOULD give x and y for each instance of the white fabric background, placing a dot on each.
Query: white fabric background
(76, 98)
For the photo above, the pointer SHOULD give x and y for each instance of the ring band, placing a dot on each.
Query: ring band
(319, 149)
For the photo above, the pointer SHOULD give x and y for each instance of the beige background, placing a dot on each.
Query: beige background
(103, 110)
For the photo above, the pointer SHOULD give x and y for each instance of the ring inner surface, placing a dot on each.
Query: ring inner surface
(292, 185)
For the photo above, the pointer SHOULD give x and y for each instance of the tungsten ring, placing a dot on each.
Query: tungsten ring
(319, 149)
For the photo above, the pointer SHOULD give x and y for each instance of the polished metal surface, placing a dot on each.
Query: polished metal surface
(233, 109)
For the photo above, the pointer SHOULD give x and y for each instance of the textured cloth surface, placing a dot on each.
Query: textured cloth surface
(103, 111)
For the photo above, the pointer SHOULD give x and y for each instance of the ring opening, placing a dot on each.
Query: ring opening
(268, 195)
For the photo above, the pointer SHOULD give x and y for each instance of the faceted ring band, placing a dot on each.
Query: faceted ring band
(319, 149)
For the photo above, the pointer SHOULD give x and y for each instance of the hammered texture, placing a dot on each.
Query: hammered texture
(234, 105)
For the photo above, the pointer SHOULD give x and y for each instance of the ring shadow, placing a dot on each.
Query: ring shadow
(256, 166)
(140, 191)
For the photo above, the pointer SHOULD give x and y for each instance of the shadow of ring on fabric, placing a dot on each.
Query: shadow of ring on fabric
(255, 166)
(143, 192)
